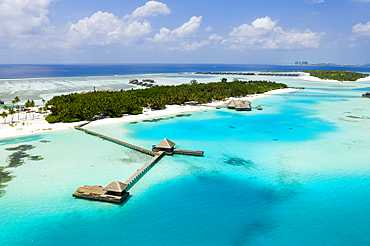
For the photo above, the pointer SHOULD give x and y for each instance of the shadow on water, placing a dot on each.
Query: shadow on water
(15, 160)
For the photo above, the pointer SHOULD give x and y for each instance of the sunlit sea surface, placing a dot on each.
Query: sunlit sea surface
(295, 173)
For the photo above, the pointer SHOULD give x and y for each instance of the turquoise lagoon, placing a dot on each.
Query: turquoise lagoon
(295, 173)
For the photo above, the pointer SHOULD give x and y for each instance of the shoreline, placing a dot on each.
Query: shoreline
(308, 77)
(39, 125)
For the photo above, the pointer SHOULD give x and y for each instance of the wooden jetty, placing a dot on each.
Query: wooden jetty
(168, 147)
(188, 152)
(116, 191)
(128, 145)
(140, 172)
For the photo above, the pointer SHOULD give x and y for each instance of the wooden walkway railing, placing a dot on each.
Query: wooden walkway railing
(140, 172)
(128, 145)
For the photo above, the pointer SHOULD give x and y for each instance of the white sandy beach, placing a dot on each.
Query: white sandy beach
(38, 124)
(306, 76)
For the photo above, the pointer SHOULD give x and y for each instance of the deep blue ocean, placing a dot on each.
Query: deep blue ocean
(82, 70)
(295, 173)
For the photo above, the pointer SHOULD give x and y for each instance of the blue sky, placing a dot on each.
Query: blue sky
(232, 31)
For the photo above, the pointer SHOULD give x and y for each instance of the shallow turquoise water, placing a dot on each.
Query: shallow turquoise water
(295, 173)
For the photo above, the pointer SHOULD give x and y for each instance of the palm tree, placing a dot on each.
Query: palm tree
(12, 112)
(17, 100)
(4, 115)
(18, 107)
(32, 104)
(27, 105)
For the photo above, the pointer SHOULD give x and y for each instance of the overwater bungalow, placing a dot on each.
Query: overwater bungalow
(149, 80)
(1, 102)
(239, 105)
(165, 145)
(132, 81)
(243, 105)
(116, 188)
(114, 192)
(231, 104)
(367, 94)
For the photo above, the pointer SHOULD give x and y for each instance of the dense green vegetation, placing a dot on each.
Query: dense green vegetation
(76, 107)
(336, 75)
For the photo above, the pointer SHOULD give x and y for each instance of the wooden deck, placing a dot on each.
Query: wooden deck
(188, 152)
(97, 193)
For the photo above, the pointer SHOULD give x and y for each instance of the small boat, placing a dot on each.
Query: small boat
(218, 107)
(259, 107)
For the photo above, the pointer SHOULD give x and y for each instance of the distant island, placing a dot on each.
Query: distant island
(336, 75)
(92, 105)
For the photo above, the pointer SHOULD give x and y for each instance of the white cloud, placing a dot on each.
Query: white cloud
(151, 8)
(193, 46)
(362, 29)
(264, 34)
(259, 27)
(20, 17)
(105, 28)
(208, 29)
(215, 37)
(186, 30)
(189, 28)
(315, 1)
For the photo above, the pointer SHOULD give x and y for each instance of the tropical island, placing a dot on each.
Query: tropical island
(336, 75)
(77, 107)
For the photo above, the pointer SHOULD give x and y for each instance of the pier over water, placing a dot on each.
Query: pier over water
(99, 193)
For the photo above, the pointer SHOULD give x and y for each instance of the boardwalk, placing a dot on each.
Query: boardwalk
(128, 145)
(140, 172)
(99, 193)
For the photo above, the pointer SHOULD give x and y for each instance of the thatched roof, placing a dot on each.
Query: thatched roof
(231, 104)
(165, 144)
(242, 104)
(116, 186)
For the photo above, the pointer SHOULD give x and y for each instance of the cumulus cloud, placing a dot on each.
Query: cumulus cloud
(186, 30)
(362, 29)
(193, 46)
(208, 29)
(215, 37)
(104, 28)
(264, 33)
(151, 8)
(19, 17)
(259, 27)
